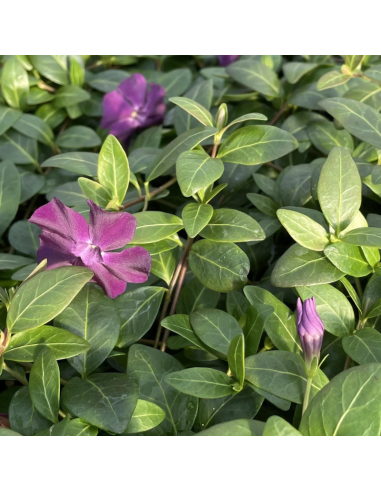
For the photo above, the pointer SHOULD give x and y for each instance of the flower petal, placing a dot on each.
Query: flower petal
(111, 284)
(56, 218)
(115, 107)
(155, 107)
(131, 265)
(124, 128)
(226, 60)
(110, 230)
(134, 89)
(55, 258)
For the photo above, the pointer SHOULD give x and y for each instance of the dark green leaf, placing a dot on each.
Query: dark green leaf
(201, 382)
(256, 76)
(78, 137)
(34, 127)
(236, 358)
(23, 416)
(364, 346)
(276, 426)
(83, 163)
(23, 236)
(196, 170)
(155, 226)
(240, 427)
(195, 217)
(10, 189)
(232, 226)
(53, 67)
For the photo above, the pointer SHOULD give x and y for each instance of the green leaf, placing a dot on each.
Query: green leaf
(304, 230)
(253, 145)
(279, 323)
(25, 346)
(53, 67)
(201, 382)
(196, 170)
(352, 292)
(333, 308)
(146, 416)
(138, 310)
(324, 136)
(364, 346)
(164, 265)
(34, 127)
(236, 358)
(83, 163)
(23, 236)
(241, 119)
(195, 217)
(300, 266)
(239, 427)
(282, 374)
(106, 401)
(108, 80)
(175, 82)
(11, 262)
(8, 117)
(95, 192)
(219, 266)
(348, 258)
(92, 316)
(215, 328)
(44, 385)
(69, 96)
(45, 296)
(332, 79)
(169, 155)
(294, 71)
(180, 324)
(294, 186)
(201, 93)
(338, 410)
(69, 193)
(256, 317)
(23, 416)
(339, 189)
(155, 226)
(276, 426)
(8, 432)
(353, 61)
(14, 84)
(150, 366)
(194, 108)
(374, 72)
(113, 169)
(73, 428)
(364, 236)
(78, 137)
(39, 96)
(256, 76)
(10, 189)
(232, 226)
(77, 71)
(358, 118)
(195, 296)
(141, 160)
(51, 115)
(264, 204)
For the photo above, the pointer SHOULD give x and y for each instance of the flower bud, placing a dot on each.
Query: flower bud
(310, 330)
(221, 117)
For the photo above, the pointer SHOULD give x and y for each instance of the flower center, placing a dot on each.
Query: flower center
(89, 253)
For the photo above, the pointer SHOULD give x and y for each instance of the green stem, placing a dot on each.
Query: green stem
(358, 287)
(17, 376)
(307, 394)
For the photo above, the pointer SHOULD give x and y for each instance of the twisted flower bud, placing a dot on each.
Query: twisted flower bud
(310, 330)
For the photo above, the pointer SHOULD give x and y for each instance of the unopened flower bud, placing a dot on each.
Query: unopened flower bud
(221, 117)
(310, 330)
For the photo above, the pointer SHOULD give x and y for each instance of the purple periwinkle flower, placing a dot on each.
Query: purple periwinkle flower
(310, 329)
(67, 239)
(226, 60)
(134, 104)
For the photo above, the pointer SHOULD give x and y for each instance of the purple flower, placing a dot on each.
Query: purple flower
(4, 421)
(134, 104)
(67, 239)
(310, 329)
(226, 60)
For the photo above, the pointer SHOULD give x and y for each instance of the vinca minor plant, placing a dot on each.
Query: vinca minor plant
(190, 245)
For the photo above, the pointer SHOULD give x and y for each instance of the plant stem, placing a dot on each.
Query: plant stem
(348, 362)
(282, 110)
(61, 414)
(17, 376)
(152, 195)
(307, 394)
(172, 286)
(358, 287)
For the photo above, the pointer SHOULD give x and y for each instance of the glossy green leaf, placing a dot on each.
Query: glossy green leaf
(83, 163)
(14, 84)
(149, 367)
(348, 258)
(240, 427)
(34, 127)
(358, 118)
(108, 80)
(113, 169)
(70, 95)
(264, 204)
(276, 426)
(352, 292)
(364, 346)
(45, 296)
(146, 416)
(339, 189)
(92, 316)
(300, 266)
(282, 374)
(53, 67)
(175, 82)
(278, 322)
(8, 117)
(196, 170)
(215, 328)
(232, 226)
(95, 192)
(78, 137)
(10, 189)
(23, 236)
(180, 324)
(256, 317)
(72, 428)
(254, 145)
(195, 217)
(11, 262)
(364, 236)
(137, 310)
(195, 296)
(69, 193)
(294, 71)
(333, 308)
(332, 79)
(324, 136)
(155, 226)
(236, 358)
(106, 401)
(304, 230)
(163, 265)
(169, 155)
(338, 410)
(23, 416)
(194, 108)
(44, 385)
(219, 266)
(256, 76)
(201, 382)
(294, 186)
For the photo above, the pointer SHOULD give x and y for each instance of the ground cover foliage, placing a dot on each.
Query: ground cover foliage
(252, 181)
